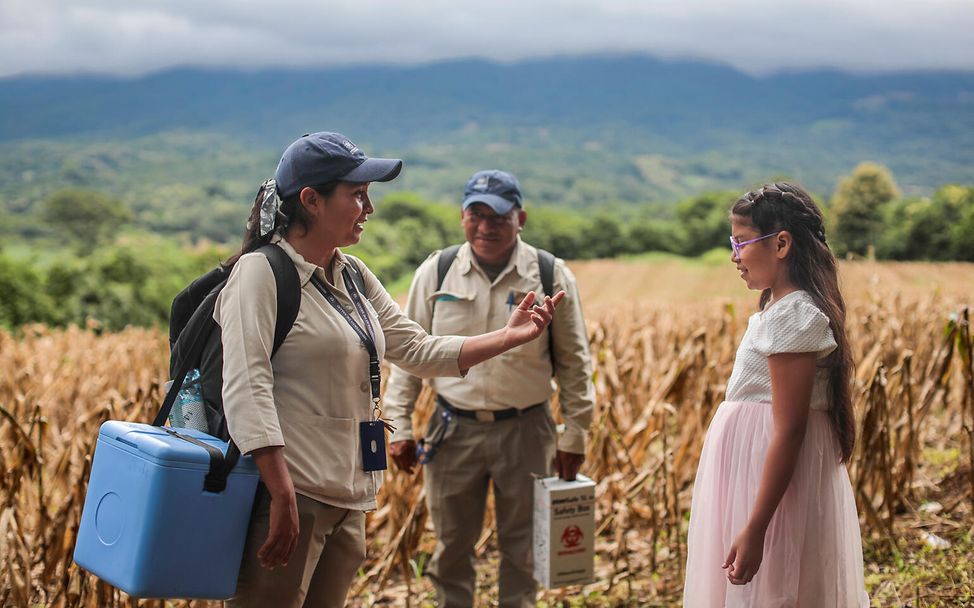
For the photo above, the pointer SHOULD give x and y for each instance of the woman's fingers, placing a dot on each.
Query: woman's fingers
(282, 535)
(546, 310)
(540, 314)
(281, 550)
(290, 550)
(527, 301)
(267, 555)
(275, 556)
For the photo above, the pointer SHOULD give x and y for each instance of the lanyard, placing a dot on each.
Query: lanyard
(367, 335)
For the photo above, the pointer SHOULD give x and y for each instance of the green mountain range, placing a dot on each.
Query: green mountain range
(186, 148)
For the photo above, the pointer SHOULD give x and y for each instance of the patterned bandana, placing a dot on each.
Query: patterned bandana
(270, 208)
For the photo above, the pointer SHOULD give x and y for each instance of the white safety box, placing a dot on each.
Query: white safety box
(564, 531)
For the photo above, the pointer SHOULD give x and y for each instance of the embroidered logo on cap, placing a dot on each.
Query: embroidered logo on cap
(352, 148)
(482, 183)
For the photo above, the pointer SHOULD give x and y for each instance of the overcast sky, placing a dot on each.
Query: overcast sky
(757, 36)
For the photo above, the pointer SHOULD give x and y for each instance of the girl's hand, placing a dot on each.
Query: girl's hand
(528, 321)
(744, 557)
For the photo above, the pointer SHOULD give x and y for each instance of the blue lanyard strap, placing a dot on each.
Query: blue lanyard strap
(367, 335)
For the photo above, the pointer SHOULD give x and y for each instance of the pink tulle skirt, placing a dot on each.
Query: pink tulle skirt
(812, 549)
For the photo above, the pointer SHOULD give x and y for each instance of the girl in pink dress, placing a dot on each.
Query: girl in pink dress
(773, 520)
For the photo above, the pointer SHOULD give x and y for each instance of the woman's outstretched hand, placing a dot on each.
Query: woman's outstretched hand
(529, 320)
(526, 323)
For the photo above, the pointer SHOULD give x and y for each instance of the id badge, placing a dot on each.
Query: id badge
(373, 436)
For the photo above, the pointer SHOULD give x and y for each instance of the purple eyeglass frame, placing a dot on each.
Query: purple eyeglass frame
(738, 246)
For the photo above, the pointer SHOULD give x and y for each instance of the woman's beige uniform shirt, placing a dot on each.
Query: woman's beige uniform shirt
(314, 393)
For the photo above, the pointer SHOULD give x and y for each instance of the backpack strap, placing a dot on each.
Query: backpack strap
(189, 299)
(356, 274)
(546, 264)
(200, 326)
(288, 292)
(288, 302)
(443, 263)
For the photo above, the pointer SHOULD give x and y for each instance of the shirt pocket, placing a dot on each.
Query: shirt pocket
(322, 452)
(536, 349)
(453, 313)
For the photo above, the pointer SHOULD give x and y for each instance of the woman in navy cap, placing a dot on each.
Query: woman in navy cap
(310, 416)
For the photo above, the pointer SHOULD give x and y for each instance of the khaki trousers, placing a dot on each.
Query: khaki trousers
(330, 549)
(507, 452)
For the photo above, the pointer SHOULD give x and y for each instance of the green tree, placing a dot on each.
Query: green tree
(87, 217)
(960, 200)
(704, 221)
(603, 237)
(22, 296)
(857, 207)
(556, 230)
(939, 228)
(131, 282)
(651, 235)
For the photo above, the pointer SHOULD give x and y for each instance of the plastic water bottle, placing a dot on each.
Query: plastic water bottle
(189, 411)
(176, 411)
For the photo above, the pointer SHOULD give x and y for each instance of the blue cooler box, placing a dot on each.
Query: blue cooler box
(149, 528)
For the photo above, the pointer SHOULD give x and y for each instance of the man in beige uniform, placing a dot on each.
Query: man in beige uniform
(494, 425)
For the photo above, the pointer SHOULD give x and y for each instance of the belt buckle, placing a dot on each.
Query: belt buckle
(484, 416)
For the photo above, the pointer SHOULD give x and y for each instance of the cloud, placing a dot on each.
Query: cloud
(124, 37)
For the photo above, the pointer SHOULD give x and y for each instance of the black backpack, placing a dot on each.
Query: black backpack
(546, 265)
(196, 342)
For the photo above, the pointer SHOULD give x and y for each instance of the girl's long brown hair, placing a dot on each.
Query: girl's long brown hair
(811, 267)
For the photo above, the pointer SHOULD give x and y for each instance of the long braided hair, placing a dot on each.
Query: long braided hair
(811, 267)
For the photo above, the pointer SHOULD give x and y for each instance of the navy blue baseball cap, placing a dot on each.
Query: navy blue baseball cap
(497, 189)
(320, 158)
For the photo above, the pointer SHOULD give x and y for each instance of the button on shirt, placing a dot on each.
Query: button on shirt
(313, 395)
(467, 304)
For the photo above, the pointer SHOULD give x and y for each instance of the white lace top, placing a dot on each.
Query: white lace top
(793, 324)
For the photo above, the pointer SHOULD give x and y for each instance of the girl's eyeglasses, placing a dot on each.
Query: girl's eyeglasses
(738, 246)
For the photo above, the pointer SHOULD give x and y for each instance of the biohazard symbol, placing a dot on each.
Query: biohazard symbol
(571, 537)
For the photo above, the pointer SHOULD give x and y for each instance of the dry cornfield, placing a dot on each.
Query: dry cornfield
(660, 371)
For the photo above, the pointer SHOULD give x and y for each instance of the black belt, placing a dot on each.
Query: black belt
(486, 415)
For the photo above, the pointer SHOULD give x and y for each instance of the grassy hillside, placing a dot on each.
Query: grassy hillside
(186, 148)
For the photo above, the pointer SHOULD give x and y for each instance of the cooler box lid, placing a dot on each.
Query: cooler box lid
(154, 444)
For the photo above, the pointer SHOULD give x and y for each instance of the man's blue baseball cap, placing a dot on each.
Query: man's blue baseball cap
(497, 189)
(320, 158)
